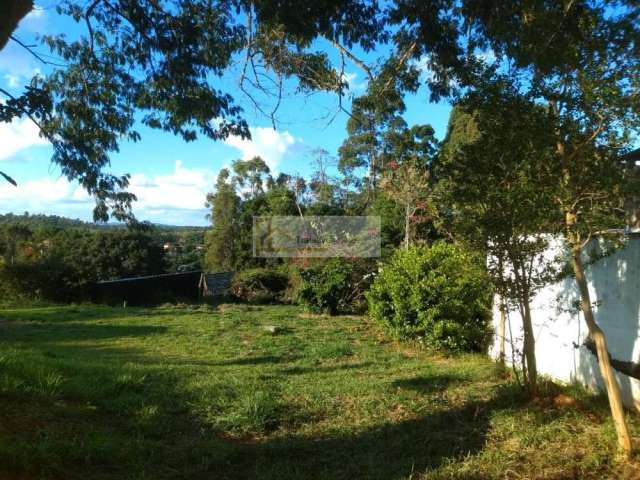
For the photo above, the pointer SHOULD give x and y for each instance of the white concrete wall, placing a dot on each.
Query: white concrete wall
(614, 284)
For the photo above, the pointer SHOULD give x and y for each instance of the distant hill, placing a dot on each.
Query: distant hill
(58, 222)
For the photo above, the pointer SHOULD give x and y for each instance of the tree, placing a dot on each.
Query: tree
(373, 120)
(322, 184)
(157, 63)
(62, 264)
(410, 186)
(591, 199)
(12, 238)
(11, 12)
(407, 180)
(580, 60)
(498, 197)
(250, 173)
(220, 241)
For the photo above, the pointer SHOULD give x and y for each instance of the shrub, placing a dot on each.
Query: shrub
(440, 294)
(336, 286)
(259, 285)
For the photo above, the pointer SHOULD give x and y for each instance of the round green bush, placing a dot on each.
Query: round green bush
(259, 285)
(440, 295)
(337, 286)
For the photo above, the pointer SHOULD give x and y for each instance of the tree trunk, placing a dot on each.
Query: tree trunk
(11, 12)
(406, 227)
(529, 341)
(503, 328)
(529, 348)
(597, 335)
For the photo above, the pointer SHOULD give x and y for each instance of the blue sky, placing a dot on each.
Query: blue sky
(169, 176)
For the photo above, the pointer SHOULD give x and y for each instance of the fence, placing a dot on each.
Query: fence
(560, 331)
(149, 290)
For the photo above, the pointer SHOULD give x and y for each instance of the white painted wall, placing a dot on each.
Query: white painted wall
(614, 284)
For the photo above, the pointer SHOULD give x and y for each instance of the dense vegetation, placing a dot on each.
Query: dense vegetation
(59, 260)
(171, 392)
(439, 295)
(336, 286)
(260, 285)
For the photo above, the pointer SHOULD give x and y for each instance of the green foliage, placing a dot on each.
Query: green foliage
(260, 285)
(221, 240)
(391, 215)
(62, 266)
(440, 295)
(336, 286)
(184, 250)
(494, 182)
(249, 173)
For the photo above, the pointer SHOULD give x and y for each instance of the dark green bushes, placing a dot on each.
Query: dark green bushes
(441, 295)
(337, 286)
(260, 285)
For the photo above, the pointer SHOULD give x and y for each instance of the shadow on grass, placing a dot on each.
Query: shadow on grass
(262, 360)
(324, 369)
(116, 420)
(389, 451)
(430, 383)
(50, 333)
(98, 418)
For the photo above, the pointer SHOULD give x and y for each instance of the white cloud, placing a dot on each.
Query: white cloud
(38, 195)
(423, 64)
(184, 189)
(36, 13)
(36, 21)
(18, 135)
(12, 80)
(175, 198)
(267, 143)
(352, 79)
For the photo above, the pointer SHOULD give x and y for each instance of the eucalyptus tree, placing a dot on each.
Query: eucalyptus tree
(252, 173)
(373, 116)
(221, 239)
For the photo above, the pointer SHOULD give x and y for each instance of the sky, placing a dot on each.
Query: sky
(169, 176)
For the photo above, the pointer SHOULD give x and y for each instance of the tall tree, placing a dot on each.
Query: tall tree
(375, 120)
(220, 241)
(499, 193)
(581, 60)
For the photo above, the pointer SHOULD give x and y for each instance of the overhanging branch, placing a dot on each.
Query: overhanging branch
(630, 369)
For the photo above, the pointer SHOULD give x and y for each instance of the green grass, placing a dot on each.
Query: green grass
(101, 393)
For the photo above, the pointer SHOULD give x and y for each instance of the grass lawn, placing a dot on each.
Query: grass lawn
(101, 393)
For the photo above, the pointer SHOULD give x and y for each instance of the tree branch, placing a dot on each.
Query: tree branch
(29, 49)
(631, 369)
